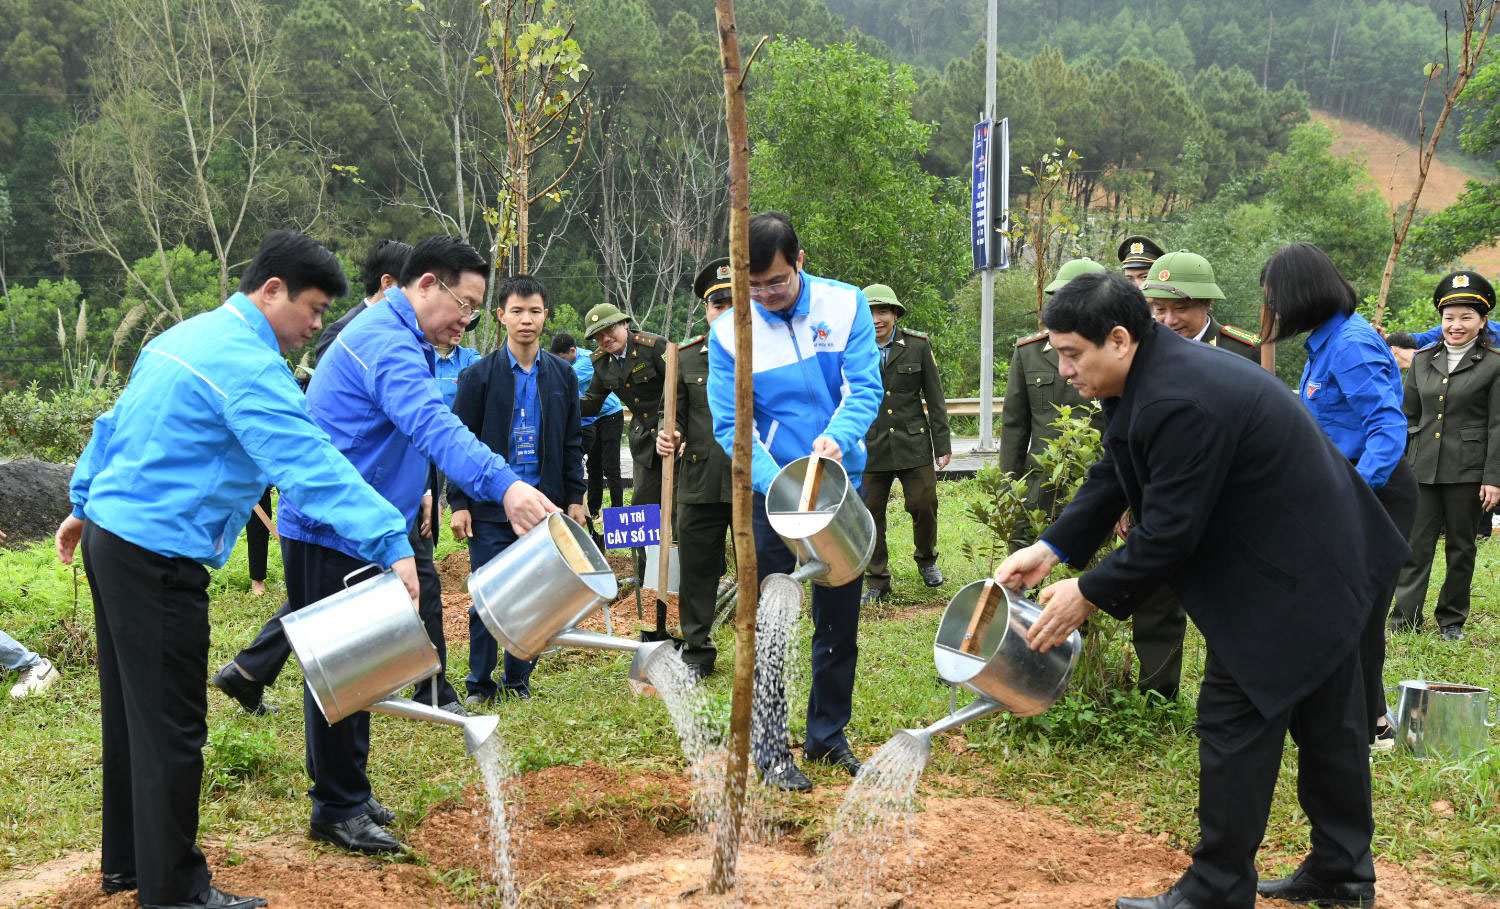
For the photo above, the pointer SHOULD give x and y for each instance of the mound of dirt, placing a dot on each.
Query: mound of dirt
(33, 499)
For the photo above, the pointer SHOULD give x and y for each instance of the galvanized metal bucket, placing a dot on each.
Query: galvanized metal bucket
(1441, 720)
(837, 530)
(998, 664)
(360, 644)
(547, 581)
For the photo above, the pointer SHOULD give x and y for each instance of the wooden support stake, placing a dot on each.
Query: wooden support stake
(668, 472)
(984, 613)
(812, 481)
(1267, 349)
(727, 838)
(266, 520)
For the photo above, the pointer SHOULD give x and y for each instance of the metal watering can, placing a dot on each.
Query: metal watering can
(981, 645)
(363, 644)
(813, 507)
(532, 595)
(1441, 720)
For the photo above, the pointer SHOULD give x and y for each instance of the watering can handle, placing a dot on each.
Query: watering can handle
(811, 481)
(359, 570)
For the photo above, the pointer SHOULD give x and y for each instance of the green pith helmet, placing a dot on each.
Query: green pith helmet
(601, 317)
(880, 295)
(1181, 275)
(1072, 269)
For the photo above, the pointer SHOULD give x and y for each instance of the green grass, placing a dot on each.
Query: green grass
(1119, 766)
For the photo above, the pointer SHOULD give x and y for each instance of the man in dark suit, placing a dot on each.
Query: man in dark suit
(523, 403)
(1275, 546)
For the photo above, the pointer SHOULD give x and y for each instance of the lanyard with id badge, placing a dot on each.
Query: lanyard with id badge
(523, 430)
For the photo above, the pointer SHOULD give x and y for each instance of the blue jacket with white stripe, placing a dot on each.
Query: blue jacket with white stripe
(817, 373)
(210, 417)
(375, 395)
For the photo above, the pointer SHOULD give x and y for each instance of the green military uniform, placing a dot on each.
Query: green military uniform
(637, 378)
(1034, 394)
(1158, 626)
(702, 487)
(902, 444)
(1453, 447)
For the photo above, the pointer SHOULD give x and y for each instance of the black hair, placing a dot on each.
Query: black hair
(562, 342)
(1092, 304)
(1401, 339)
(1304, 289)
(771, 232)
(445, 256)
(299, 261)
(385, 258)
(520, 286)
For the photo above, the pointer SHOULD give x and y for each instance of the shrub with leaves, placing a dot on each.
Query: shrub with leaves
(55, 425)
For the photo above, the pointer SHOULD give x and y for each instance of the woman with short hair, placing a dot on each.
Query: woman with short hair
(1352, 385)
(1452, 402)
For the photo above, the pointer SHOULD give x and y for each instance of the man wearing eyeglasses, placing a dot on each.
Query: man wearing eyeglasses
(375, 395)
(1180, 288)
(817, 389)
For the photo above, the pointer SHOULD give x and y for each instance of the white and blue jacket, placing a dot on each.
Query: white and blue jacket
(817, 373)
(212, 416)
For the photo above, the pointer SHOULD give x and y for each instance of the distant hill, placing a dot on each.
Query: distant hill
(1392, 164)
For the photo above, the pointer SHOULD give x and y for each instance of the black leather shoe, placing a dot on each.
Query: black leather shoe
(117, 883)
(233, 683)
(378, 813)
(784, 775)
(212, 898)
(932, 575)
(357, 834)
(1172, 899)
(1453, 632)
(837, 756)
(1302, 887)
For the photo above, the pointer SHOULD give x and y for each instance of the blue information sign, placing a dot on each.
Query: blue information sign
(990, 194)
(980, 195)
(635, 525)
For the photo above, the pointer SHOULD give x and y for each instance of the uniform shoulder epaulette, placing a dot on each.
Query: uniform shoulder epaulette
(594, 357)
(1489, 347)
(1022, 342)
(1241, 335)
(690, 342)
(647, 340)
(1433, 346)
(914, 333)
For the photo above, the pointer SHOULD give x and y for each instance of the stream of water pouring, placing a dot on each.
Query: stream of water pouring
(873, 822)
(499, 772)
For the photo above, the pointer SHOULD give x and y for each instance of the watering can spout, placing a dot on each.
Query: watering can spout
(923, 737)
(477, 729)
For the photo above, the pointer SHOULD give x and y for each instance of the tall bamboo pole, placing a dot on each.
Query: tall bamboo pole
(727, 839)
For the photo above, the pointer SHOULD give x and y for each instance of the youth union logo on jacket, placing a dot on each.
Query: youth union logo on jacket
(822, 336)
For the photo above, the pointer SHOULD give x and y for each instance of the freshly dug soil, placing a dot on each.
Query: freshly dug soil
(33, 499)
(598, 836)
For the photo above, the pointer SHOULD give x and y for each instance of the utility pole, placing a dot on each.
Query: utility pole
(987, 277)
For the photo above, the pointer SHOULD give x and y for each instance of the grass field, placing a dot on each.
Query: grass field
(1120, 766)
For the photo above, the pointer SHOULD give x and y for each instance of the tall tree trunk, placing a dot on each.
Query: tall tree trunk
(727, 839)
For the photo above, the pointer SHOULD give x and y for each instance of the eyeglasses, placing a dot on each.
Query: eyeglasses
(465, 308)
(772, 290)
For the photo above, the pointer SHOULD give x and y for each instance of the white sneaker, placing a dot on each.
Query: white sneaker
(36, 679)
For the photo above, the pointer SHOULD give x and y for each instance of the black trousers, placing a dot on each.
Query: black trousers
(1399, 496)
(835, 650)
(268, 653)
(1450, 509)
(337, 753)
(1157, 629)
(601, 446)
(1239, 756)
(258, 539)
(700, 555)
(919, 491)
(151, 616)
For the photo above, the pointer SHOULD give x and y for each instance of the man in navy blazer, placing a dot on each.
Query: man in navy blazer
(522, 402)
(1275, 547)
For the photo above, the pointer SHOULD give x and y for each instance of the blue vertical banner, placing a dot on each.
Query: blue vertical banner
(979, 209)
(990, 194)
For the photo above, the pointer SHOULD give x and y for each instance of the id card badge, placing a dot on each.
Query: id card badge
(523, 441)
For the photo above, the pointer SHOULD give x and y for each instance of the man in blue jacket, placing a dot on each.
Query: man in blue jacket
(374, 394)
(817, 388)
(523, 403)
(210, 417)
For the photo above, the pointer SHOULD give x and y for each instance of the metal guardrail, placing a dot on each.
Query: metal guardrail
(957, 407)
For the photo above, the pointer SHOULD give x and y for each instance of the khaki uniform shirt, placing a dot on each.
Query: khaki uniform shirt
(904, 434)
